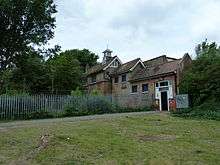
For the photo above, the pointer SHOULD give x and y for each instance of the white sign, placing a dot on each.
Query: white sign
(182, 101)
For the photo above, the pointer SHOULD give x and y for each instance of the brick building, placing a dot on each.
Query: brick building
(138, 83)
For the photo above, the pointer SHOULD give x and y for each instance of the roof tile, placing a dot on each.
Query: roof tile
(164, 68)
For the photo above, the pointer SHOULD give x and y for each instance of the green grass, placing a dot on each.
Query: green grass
(149, 139)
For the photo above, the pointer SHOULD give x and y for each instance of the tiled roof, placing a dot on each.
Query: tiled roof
(154, 67)
(155, 61)
(126, 66)
(99, 67)
(149, 72)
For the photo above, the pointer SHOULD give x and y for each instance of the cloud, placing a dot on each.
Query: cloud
(143, 28)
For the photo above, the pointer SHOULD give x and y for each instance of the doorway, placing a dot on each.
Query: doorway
(164, 101)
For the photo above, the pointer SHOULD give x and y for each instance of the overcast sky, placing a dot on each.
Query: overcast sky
(137, 28)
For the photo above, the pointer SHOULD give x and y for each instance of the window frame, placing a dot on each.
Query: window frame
(143, 88)
(157, 84)
(116, 78)
(166, 83)
(125, 76)
(93, 79)
(134, 92)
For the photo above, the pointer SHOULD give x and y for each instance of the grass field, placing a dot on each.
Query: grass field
(146, 139)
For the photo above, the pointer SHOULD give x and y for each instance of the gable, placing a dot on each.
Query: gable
(115, 63)
(102, 67)
(116, 60)
(139, 63)
(138, 67)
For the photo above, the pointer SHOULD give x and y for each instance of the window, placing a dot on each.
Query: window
(164, 83)
(115, 64)
(93, 79)
(144, 87)
(116, 79)
(134, 89)
(124, 78)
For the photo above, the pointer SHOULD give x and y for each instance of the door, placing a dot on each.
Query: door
(164, 101)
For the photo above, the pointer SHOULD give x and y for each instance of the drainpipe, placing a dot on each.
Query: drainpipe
(175, 79)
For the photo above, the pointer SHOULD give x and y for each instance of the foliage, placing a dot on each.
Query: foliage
(95, 92)
(85, 57)
(91, 105)
(77, 92)
(83, 105)
(65, 72)
(201, 81)
(25, 28)
(15, 93)
(208, 110)
(42, 114)
(30, 75)
(25, 25)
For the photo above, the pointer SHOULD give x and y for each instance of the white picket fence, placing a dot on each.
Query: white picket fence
(22, 106)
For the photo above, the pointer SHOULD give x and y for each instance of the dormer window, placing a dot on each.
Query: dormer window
(114, 64)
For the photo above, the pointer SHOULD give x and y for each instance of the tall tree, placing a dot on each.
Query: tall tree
(24, 25)
(65, 73)
(202, 79)
(30, 75)
(85, 57)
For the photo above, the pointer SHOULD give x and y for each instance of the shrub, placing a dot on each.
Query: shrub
(208, 110)
(42, 114)
(76, 92)
(95, 92)
(88, 106)
(96, 105)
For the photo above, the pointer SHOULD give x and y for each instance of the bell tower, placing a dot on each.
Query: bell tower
(107, 56)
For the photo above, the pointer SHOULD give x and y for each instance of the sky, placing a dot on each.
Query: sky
(137, 28)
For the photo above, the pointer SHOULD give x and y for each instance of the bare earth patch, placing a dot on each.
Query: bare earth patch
(145, 138)
(24, 160)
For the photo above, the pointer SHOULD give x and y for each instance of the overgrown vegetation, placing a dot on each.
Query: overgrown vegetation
(95, 103)
(202, 82)
(91, 105)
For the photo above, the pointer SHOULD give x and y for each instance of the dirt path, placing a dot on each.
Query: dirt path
(17, 124)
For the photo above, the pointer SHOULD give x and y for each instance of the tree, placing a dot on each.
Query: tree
(85, 57)
(30, 75)
(24, 26)
(65, 73)
(202, 79)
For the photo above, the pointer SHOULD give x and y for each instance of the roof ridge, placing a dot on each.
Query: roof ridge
(132, 61)
(163, 63)
(155, 58)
